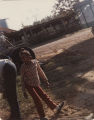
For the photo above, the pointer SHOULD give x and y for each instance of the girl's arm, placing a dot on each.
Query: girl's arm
(42, 74)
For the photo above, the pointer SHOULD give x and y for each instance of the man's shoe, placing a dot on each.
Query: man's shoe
(58, 108)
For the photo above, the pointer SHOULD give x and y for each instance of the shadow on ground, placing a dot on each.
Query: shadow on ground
(72, 75)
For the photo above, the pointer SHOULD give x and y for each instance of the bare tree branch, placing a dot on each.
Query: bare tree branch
(64, 5)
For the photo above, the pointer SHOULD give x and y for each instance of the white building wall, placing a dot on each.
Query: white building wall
(88, 14)
(81, 17)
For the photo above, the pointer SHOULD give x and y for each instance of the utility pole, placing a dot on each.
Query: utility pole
(26, 38)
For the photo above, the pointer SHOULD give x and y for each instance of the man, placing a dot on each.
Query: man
(3, 42)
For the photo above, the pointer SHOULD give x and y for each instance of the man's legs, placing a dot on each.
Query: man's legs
(9, 75)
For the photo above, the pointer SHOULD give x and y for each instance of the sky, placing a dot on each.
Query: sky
(18, 12)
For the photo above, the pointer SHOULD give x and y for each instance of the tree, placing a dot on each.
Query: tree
(64, 6)
(65, 9)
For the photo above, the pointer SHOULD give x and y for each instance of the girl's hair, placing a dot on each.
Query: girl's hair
(24, 51)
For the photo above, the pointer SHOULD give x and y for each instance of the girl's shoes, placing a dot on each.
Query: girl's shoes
(58, 108)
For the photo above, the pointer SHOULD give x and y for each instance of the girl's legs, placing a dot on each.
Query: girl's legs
(45, 97)
(37, 100)
(48, 101)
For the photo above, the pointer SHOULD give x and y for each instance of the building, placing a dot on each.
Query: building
(3, 23)
(4, 26)
(85, 11)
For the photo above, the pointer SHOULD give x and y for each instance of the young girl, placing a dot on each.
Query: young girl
(31, 72)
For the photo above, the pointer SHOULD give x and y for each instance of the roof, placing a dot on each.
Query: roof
(6, 30)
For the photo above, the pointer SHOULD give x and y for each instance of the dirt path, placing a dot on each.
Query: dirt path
(55, 47)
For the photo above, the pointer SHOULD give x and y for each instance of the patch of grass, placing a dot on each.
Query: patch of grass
(25, 104)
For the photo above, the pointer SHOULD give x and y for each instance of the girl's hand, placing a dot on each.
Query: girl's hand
(25, 95)
(48, 84)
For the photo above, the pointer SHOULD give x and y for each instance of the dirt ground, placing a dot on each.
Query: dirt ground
(69, 66)
(74, 54)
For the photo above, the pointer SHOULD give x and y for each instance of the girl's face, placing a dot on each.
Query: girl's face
(26, 57)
